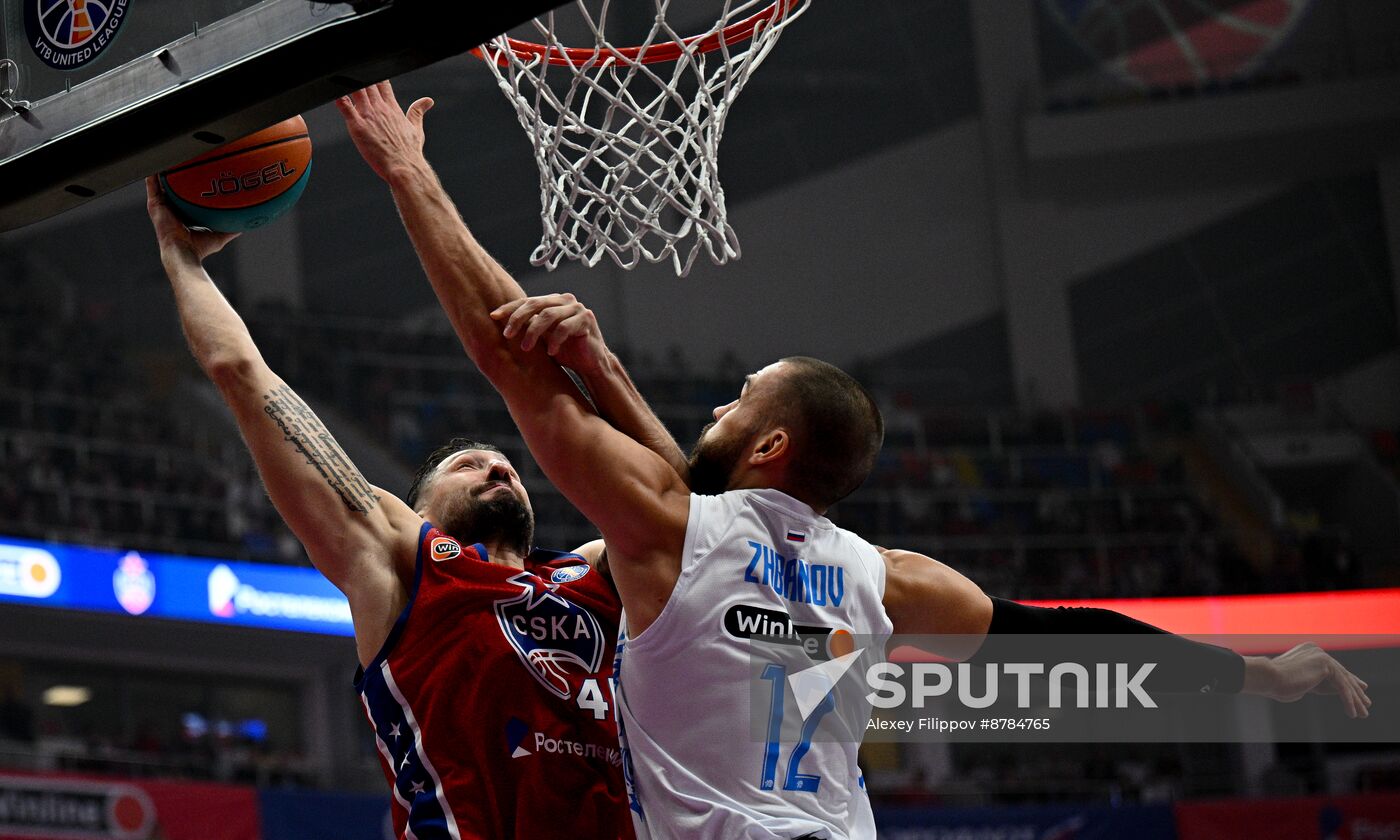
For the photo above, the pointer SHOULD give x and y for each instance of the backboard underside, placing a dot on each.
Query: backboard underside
(71, 130)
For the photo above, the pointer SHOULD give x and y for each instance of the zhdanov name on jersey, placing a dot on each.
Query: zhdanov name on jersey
(794, 578)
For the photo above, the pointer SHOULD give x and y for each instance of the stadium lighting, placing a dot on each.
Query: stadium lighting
(67, 695)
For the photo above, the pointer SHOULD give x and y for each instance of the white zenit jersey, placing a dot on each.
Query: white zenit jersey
(754, 562)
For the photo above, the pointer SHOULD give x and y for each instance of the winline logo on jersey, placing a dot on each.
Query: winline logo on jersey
(810, 685)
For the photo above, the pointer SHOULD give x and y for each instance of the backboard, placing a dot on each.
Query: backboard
(95, 94)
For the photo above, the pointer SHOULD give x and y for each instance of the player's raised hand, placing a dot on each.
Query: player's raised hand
(1306, 669)
(172, 234)
(385, 134)
(567, 328)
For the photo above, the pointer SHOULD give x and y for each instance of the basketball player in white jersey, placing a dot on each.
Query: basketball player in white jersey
(800, 436)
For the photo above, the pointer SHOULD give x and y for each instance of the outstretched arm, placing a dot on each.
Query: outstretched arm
(925, 597)
(569, 332)
(634, 497)
(353, 532)
(468, 281)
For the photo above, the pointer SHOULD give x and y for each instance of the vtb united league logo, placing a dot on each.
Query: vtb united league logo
(67, 34)
(554, 637)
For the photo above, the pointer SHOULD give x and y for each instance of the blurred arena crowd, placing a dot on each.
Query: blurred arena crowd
(1118, 502)
(110, 449)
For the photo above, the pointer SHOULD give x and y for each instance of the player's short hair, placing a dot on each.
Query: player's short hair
(837, 428)
(424, 477)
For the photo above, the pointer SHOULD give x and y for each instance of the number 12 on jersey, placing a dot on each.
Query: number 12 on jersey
(794, 780)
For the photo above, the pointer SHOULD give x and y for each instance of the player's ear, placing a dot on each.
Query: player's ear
(773, 446)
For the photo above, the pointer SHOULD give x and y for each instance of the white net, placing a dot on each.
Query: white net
(627, 139)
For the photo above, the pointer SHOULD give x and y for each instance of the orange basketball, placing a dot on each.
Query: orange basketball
(244, 184)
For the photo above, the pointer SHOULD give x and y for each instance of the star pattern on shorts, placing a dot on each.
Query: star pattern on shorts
(394, 730)
(416, 787)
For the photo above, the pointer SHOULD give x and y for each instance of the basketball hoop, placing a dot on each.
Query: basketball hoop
(628, 153)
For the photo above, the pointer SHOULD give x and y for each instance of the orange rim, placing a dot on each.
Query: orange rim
(655, 54)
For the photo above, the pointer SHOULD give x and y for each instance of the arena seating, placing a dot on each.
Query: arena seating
(99, 452)
(1082, 504)
(1050, 505)
(1004, 497)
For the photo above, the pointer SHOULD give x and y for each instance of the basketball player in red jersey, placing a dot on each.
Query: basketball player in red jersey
(484, 665)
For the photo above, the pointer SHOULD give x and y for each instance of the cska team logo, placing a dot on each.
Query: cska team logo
(554, 637)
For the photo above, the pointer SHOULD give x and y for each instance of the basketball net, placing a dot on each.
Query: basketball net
(627, 138)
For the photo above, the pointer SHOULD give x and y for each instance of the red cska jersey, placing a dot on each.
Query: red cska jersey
(491, 703)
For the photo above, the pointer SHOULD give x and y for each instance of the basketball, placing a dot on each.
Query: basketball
(244, 184)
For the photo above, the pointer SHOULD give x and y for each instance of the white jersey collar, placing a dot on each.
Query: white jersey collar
(786, 503)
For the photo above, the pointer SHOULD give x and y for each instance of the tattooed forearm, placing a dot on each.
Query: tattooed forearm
(303, 429)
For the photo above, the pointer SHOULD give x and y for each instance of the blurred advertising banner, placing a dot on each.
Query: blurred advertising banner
(1366, 817)
(232, 593)
(211, 591)
(1041, 822)
(76, 808)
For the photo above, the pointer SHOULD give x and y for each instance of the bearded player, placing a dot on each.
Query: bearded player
(799, 437)
(484, 665)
